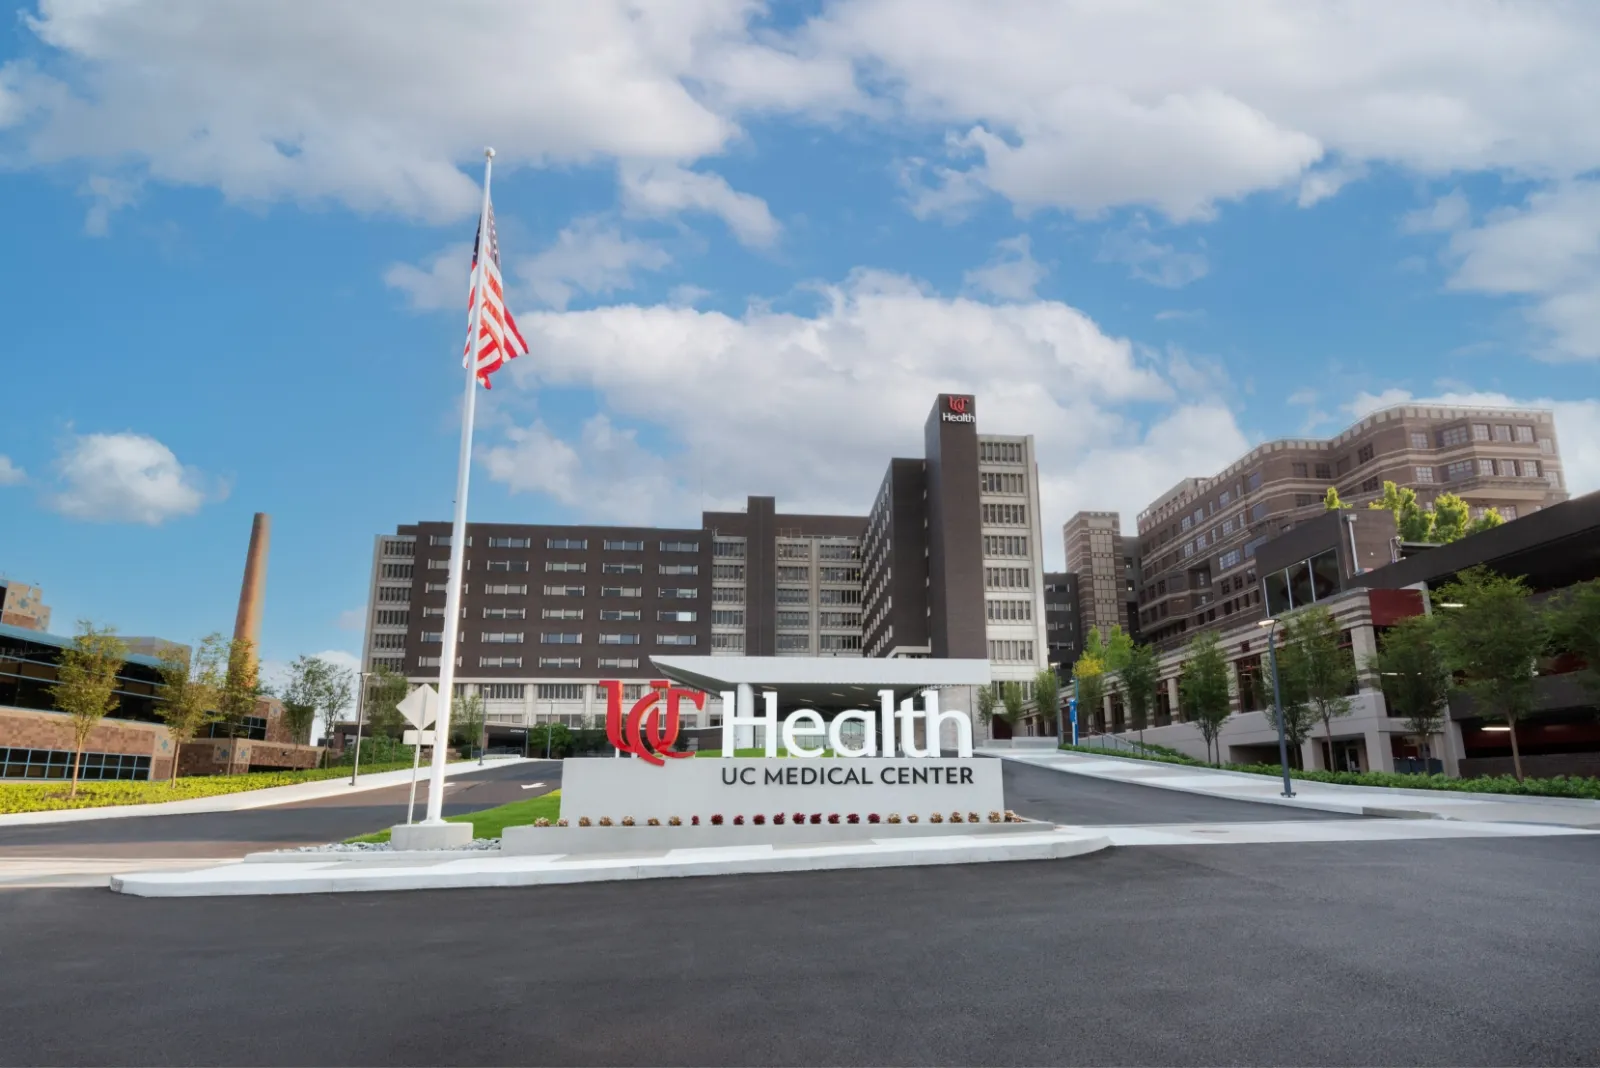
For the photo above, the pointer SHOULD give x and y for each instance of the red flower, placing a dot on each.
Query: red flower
(738, 821)
(799, 817)
(716, 821)
(779, 818)
(872, 817)
(816, 817)
(694, 821)
(854, 817)
(833, 817)
(759, 820)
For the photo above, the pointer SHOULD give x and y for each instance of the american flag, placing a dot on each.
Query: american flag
(499, 339)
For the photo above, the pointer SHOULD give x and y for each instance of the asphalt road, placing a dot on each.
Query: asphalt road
(1061, 797)
(233, 834)
(1438, 952)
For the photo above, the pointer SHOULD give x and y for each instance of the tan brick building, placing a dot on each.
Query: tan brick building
(1099, 556)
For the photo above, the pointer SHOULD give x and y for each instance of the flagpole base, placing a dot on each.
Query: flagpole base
(430, 836)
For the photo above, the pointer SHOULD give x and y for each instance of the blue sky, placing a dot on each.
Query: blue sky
(747, 247)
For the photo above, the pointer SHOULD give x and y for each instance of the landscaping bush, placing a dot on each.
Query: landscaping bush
(51, 794)
(1557, 786)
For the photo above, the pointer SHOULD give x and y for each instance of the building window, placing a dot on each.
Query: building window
(438, 565)
(677, 639)
(621, 591)
(1253, 483)
(402, 547)
(1459, 470)
(840, 574)
(728, 572)
(733, 643)
(836, 643)
(1006, 515)
(728, 595)
(618, 663)
(1009, 650)
(567, 591)
(516, 565)
(1480, 431)
(1001, 482)
(1304, 500)
(1000, 452)
(792, 551)
(506, 637)
(727, 618)
(619, 639)
(499, 662)
(391, 618)
(1530, 468)
(794, 643)
(680, 546)
(560, 613)
(1485, 467)
(732, 549)
(1258, 511)
(1419, 439)
(794, 619)
(506, 613)
(677, 593)
(1364, 454)
(1009, 611)
(1228, 559)
(564, 663)
(621, 615)
(392, 641)
(794, 574)
(840, 619)
(504, 691)
(1006, 578)
(567, 543)
(1502, 432)
(839, 552)
(433, 636)
(396, 571)
(561, 638)
(554, 565)
(1300, 470)
(512, 591)
(622, 569)
(1508, 511)
(675, 616)
(832, 597)
(680, 569)
(1424, 475)
(1455, 435)
(1371, 485)
(560, 691)
(1005, 545)
(393, 594)
(1547, 446)
(790, 595)
(623, 546)
(510, 543)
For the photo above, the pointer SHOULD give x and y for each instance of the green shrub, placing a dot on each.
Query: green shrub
(49, 795)
(1556, 786)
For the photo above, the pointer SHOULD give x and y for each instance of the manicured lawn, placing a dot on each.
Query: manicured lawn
(491, 822)
(51, 794)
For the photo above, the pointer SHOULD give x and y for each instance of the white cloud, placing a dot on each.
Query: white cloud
(275, 673)
(1179, 107)
(1149, 261)
(1547, 253)
(811, 407)
(126, 477)
(10, 473)
(667, 189)
(588, 257)
(1012, 274)
(1449, 212)
(441, 283)
(108, 195)
(352, 619)
(1577, 424)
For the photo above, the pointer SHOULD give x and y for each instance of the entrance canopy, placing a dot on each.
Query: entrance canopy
(826, 683)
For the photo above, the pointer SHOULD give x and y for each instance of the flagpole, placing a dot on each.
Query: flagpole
(458, 529)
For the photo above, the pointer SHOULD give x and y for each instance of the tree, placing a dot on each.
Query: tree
(1411, 521)
(1203, 685)
(1331, 501)
(1141, 674)
(1575, 628)
(1321, 670)
(552, 738)
(240, 686)
(334, 698)
(191, 688)
(1490, 519)
(1299, 717)
(1450, 514)
(466, 719)
(301, 694)
(86, 684)
(1047, 697)
(1118, 647)
(1492, 642)
(1089, 674)
(1415, 679)
(987, 699)
(1012, 701)
(385, 691)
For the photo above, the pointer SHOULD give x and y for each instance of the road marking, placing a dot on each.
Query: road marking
(533, 786)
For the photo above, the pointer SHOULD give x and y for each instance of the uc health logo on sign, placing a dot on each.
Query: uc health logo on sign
(651, 726)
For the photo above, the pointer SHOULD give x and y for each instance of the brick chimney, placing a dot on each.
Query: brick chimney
(252, 592)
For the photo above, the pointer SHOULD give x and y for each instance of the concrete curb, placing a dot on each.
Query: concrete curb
(237, 879)
(246, 799)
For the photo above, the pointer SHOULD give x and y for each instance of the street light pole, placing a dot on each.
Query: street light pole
(361, 707)
(1277, 703)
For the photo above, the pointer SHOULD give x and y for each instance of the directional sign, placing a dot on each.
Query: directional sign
(417, 738)
(420, 707)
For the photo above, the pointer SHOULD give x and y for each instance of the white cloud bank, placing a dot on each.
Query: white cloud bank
(10, 473)
(810, 407)
(124, 478)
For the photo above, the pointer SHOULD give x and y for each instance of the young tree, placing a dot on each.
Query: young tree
(1411, 521)
(1450, 514)
(385, 691)
(466, 720)
(1322, 672)
(987, 699)
(334, 698)
(1203, 685)
(301, 693)
(240, 686)
(1047, 697)
(1299, 717)
(1011, 702)
(1575, 628)
(86, 683)
(1140, 675)
(1490, 519)
(1492, 644)
(191, 687)
(1415, 680)
(1331, 501)
(1090, 675)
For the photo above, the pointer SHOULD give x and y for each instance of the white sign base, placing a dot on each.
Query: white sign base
(713, 786)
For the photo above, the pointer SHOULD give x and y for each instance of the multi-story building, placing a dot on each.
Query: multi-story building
(23, 606)
(1099, 555)
(1063, 624)
(1197, 542)
(948, 564)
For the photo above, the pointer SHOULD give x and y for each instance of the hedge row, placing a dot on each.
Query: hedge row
(50, 794)
(1556, 786)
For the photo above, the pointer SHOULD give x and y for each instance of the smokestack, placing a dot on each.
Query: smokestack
(253, 590)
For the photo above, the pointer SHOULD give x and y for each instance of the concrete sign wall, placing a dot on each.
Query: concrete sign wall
(737, 787)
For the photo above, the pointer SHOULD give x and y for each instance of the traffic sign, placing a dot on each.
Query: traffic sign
(420, 707)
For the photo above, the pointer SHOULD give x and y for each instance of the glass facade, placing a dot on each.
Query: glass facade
(28, 671)
(57, 764)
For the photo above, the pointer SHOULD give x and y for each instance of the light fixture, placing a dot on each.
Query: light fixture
(1265, 622)
(1504, 730)
(1451, 604)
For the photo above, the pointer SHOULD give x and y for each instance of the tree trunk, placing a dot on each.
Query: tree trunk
(177, 750)
(1516, 754)
(1327, 728)
(77, 766)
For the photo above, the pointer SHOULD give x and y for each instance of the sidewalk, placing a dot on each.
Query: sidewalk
(1324, 797)
(248, 799)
